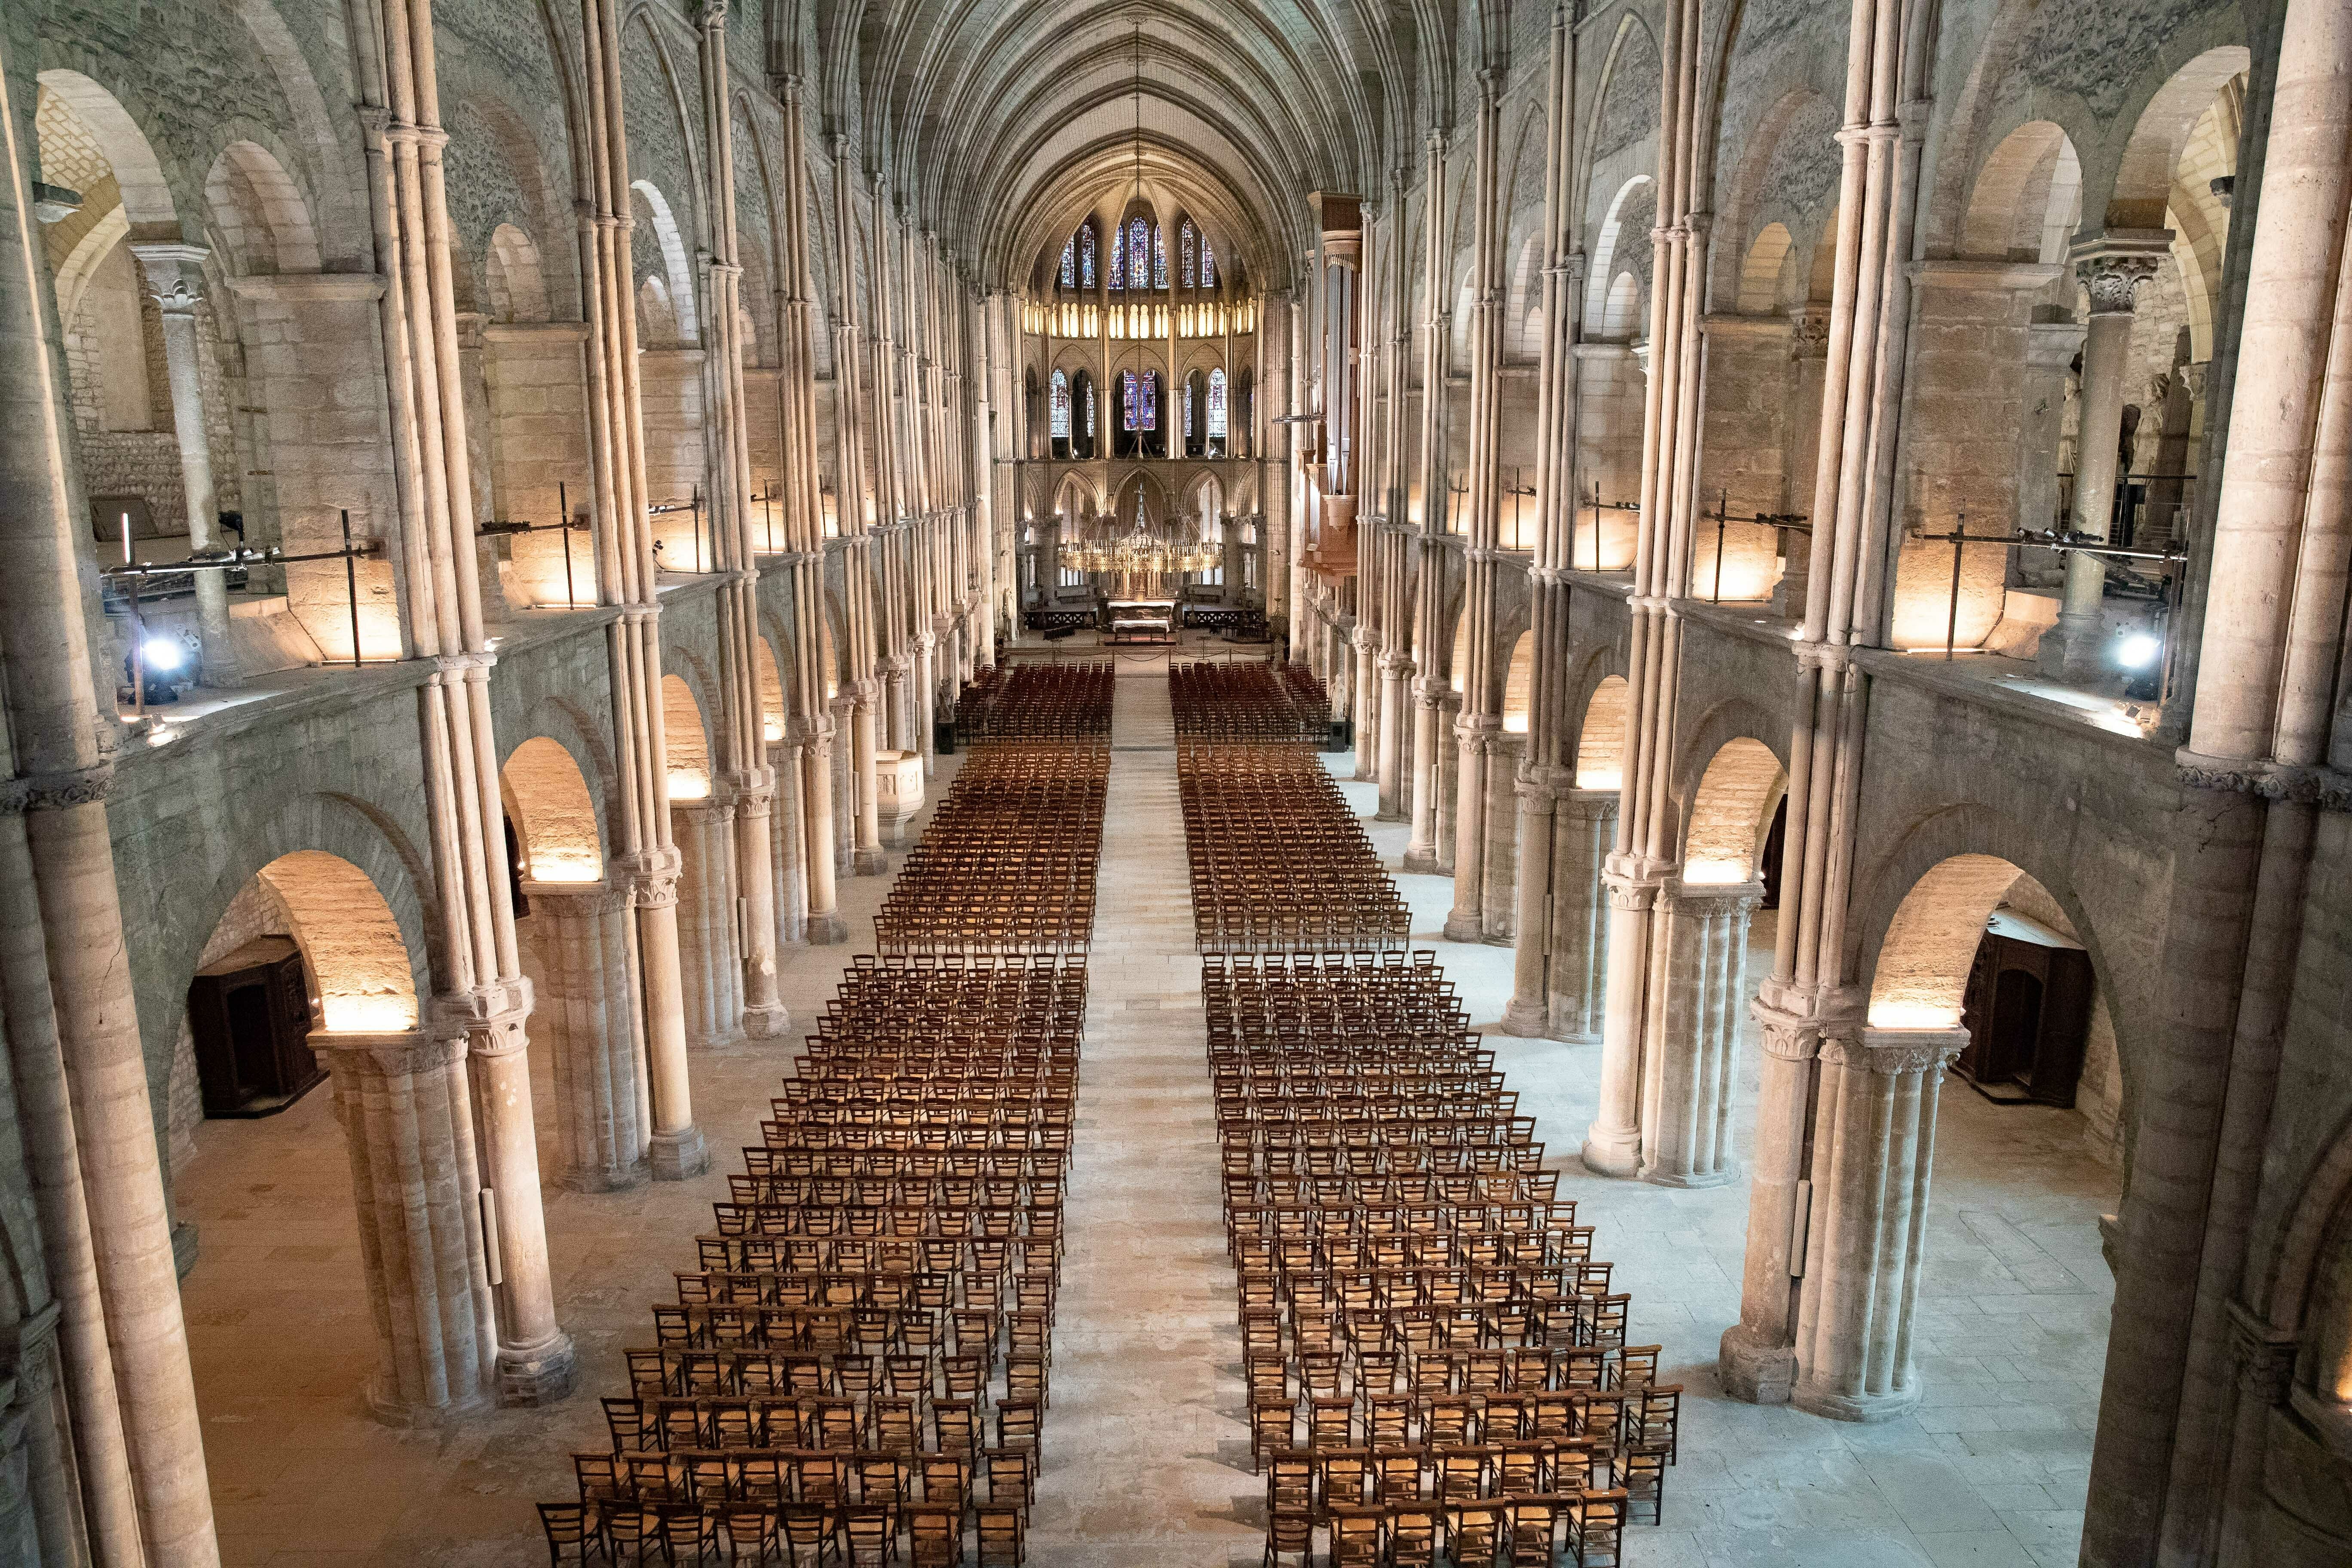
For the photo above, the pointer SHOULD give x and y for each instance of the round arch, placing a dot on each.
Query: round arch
(684, 742)
(1731, 812)
(547, 798)
(350, 940)
(1601, 736)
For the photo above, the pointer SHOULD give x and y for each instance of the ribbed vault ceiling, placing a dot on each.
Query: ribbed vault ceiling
(1000, 122)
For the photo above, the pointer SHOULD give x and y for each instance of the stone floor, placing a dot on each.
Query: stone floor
(1147, 1450)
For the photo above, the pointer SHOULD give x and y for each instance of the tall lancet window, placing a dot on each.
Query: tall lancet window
(1138, 254)
(1069, 273)
(1117, 261)
(1208, 263)
(1130, 398)
(1061, 402)
(1087, 254)
(1090, 411)
(1159, 258)
(1216, 406)
(1185, 241)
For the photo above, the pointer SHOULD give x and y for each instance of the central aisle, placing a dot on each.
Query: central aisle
(1147, 1449)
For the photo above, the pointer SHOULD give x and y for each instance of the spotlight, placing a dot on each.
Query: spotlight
(2142, 659)
(165, 654)
(2137, 651)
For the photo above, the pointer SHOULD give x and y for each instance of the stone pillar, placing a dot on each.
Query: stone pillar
(1873, 1151)
(826, 928)
(534, 1364)
(758, 874)
(1499, 895)
(1808, 340)
(788, 843)
(1474, 754)
(704, 831)
(1612, 1146)
(676, 1150)
(175, 278)
(1584, 822)
(404, 1102)
(867, 857)
(1690, 1062)
(1758, 1358)
(1447, 766)
(1395, 736)
(472, 376)
(1538, 791)
(588, 1024)
(2111, 269)
(1421, 850)
(1364, 689)
(2050, 351)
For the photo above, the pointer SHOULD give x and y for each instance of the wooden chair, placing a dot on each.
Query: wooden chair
(812, 1534)
(1289, 1535)
(752, 1536)
(632, 1530)
(1003, 1536)
(935, 1535)
(1474, 1532)
(1641, 1474)
(871, 1534)
(1596, 1528)
(1413, 1532)
(1534, 1527)
(573, 1526)
(1358, 1536)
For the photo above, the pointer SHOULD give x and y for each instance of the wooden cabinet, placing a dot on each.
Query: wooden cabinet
(250, 1014)
(2028, 1014)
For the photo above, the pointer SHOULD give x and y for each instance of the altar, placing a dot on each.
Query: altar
(1141, 621)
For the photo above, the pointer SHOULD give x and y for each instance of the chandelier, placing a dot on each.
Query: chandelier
(1142, 550)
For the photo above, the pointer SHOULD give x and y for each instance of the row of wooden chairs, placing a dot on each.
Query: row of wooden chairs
(1008, 863)
(1252, 702)
(1036, 701)
(787, 1534)
(1278, 861)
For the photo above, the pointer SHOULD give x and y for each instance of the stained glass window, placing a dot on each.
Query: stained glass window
(1208, 264)
(1150, 401)
(1188, 411)
(1117, 261)
(1090, 411)
(1130, 399)
(1139, 252)
(1070, 264)
(1159, 258)
(1216, 406)
(1086, 255)
(1061, 415)
(1185, 274)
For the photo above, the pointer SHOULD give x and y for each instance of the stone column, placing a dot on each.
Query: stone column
(826, 928)
(1758, 1358)
(472, 376)
(2050, 351)
(534, 1363)
(403, 1102)
(1612, 1146)
(175, 278)
(1396, 735)
(1475, 735)
(1809, 339)
(588, 1023)
(1690, 1063)
(1873, 1151)
(1446, 767)
(868, 858)
(1421, 850)
(1538, 791)
(1500, 906)
(706, 938)
(676, 1150)
(71, 1017)
(1584, 822)
(2111, 269)
(1365, 688)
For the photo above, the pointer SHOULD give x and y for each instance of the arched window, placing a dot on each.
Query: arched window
(1138, 253)
(1117, 261)
(1188, 411)
(1159, 258)
(1150, 400)
(1130, 398)
(1061, 407)
(1069, 274)
(1090, 411)
(1087, 254)
(1185, 241)
(1208, 263)
(1216, 406)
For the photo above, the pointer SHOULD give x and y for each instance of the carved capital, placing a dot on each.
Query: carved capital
(56, 791)
(174, 275)
(406, 1054)
(1809, 336)
(1893, 1052)
(2113, 281)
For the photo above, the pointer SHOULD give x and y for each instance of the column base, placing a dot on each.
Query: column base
(402, 1415)
(1560, 1029)
(1386, 815)
(2071, 651)
(1867, 1408)
(604, 1178)
(1465, 928)
(1658, 1178)
(1422, 863)
(868, 862)
(1755, 1372)
(531, 1375)
(768, 1022)
(894, 831)
(1526, 1020)
(825, 930)
(1500, 939)
(1611, 1151)
(679, 1156)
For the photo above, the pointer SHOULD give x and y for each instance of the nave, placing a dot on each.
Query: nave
(1149, 1442)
